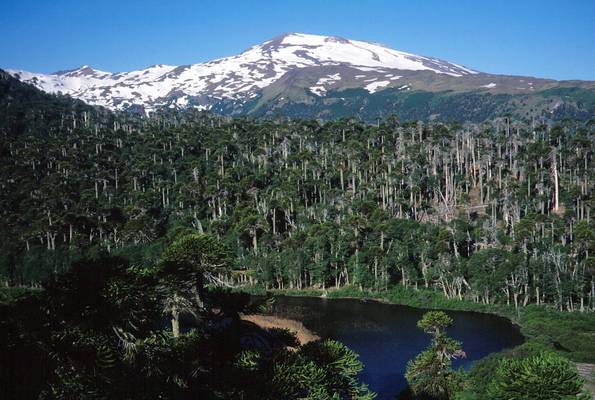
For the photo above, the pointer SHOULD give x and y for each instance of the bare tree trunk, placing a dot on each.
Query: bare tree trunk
(175, 318)
(555, 176)
(198, 291)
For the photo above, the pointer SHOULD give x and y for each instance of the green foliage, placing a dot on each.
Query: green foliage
(24, 109)
(483, 371)
(431, 373)
(9, 295)
(427, 105)
(428, 376)
(248, 360)
(541, 377)
(569, 333)
(434, 322)
(300, 204)
(196, 253)
(95, 332)
(320, 370)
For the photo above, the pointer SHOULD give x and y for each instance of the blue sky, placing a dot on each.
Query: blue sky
(546, 38)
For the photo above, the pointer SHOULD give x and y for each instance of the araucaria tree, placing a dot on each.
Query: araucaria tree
(185, 265)
(497, 212)
(545, 376)
(431, 374)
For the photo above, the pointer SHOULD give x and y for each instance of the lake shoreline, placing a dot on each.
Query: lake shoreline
(561, 331)
(303, 334)
(386, 337)
(502, 311)
(534, 323)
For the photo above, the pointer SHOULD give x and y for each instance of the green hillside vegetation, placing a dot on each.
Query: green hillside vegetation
(555, 104)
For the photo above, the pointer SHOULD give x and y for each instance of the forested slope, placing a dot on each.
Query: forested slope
(492, 212)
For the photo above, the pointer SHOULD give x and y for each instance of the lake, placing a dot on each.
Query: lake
(386, 336)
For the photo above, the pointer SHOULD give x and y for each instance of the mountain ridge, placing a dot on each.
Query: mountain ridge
(291, 68)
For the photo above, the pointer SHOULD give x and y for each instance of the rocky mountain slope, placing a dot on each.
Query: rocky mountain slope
(318, 76)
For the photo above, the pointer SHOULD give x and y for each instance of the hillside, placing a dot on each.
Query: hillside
(397, 203)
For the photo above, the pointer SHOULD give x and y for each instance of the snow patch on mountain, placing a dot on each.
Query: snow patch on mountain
(374, 86)
(320, 88)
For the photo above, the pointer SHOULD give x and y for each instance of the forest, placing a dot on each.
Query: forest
(497, 212)
(97, 207)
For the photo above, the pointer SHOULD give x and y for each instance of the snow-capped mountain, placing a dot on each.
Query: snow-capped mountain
(242, 77)
(325, 77)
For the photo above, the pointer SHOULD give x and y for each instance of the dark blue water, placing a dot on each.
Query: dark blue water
(386, 336)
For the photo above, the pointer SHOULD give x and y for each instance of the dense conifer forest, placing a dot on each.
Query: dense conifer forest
(497, 212)
(128, 220)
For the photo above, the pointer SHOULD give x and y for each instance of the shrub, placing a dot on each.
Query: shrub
(545, 376)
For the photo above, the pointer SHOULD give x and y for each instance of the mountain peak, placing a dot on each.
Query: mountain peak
(82, 71)
(303, 39)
